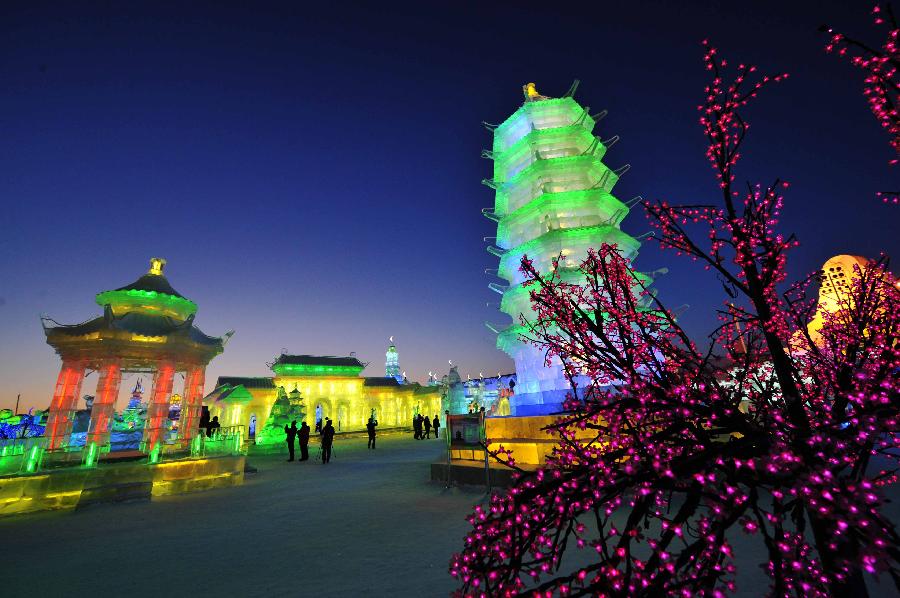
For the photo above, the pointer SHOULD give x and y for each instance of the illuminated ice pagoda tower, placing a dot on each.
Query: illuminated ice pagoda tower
(553, 196)
(392, 363)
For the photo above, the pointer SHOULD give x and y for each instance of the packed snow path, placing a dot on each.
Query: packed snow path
(368, 523)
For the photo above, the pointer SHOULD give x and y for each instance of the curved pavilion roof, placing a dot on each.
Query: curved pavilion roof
(152, 282)
(142, 323)
(151, 293)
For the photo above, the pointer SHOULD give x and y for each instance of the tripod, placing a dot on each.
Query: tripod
(319, 454)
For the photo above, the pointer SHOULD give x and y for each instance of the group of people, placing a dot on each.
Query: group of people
(207, 425)
(301, 435)
(422, 427)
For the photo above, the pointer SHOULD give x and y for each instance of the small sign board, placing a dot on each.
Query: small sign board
(465, 430)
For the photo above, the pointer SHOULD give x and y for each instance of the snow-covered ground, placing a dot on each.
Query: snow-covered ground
(370, 523)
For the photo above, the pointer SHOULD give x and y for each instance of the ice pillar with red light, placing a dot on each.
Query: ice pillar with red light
(64, 402)
(158, 409)
(192, 404)
(103, 409)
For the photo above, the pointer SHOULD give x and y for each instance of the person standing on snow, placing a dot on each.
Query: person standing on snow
(291, 435)
(327, 440)
(427, 423)
(370, 428)
(303, 439)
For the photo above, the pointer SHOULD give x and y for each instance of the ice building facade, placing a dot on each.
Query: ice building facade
(553, 197)
(325, 387)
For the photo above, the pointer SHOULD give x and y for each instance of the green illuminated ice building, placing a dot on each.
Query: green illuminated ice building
(554, 196)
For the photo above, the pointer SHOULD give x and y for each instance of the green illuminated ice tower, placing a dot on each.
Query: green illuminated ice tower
(554, 196)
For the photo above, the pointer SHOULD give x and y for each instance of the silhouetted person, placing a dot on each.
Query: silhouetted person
(417, 427)
(204, 418)
(370, 428)
(327, 439)
(213, 428)
(318, 426)
(427, 423)
(436, 424)
(291, 435)
(303, 439)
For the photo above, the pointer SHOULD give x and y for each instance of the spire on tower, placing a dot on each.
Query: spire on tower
(392, 363)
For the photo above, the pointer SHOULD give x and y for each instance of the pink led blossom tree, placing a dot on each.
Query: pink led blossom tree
(881, 66)
(672, 451)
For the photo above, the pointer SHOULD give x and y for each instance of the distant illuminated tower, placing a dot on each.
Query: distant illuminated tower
(392, 363)
(837, 278)
(553, 196)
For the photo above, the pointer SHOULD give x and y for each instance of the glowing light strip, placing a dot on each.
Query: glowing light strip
(135, 298)
(296, 369)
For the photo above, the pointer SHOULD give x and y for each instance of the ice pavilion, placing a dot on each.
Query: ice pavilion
(146, 326)
(327, 386)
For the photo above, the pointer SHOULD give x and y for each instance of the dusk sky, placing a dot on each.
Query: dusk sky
(311, 172)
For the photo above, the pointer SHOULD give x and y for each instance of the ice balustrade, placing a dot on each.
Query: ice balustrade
(31, 455)
(573, 244)
(577, 173)
(546, 114)
(22, 455)
(227, 440)
(516, 299)
(553, 211)
(546, 144)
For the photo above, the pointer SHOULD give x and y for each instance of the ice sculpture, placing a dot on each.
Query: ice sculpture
(392, 363)
(553, 197)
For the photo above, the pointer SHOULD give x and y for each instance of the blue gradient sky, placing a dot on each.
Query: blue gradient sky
(312, 174)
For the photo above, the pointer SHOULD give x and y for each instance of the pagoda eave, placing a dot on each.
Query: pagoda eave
(97, 347)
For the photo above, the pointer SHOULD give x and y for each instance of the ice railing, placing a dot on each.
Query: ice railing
(30, 455)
